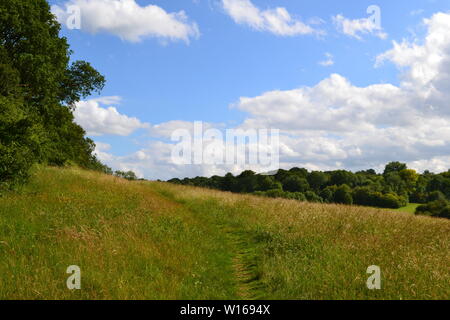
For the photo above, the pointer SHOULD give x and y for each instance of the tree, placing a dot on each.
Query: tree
(266, 183)
(229, 183)
(295, 184)
(247, 181)
(327, 194)
(435, 196)
(129, 175)
(340, 177)
(38, 90)
(317, 179)
(281, 175)
(343, 195)
(311, 196)
(301, 172)
(395, 183)
(363, 196)
(394, 167)
(410, 177)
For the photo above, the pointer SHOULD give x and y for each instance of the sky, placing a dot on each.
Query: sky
(350, 84)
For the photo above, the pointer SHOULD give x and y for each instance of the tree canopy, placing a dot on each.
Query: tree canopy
(397, 186)
(39, 86)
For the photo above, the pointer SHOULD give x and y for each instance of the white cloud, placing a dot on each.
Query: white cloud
(328, 62)
(336, 124)
(426, 67)
(165, 129)
(278, 20)
(354, 28)
(97, 121)
(128, 20)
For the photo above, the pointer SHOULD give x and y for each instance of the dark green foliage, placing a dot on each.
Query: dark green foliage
(38, 89)
(394, 167)
(247, 182)
(435, 195)
(311, 196)
(317, 179)
(364, 196)
(80, 81)
(229, 183)
(277, 193)
(440, 182)
(17, 142)
(437, 208)
(366, 188)
(327, 194)
(295, 184)
(266, 183)
(341, 177)
(343, 195)
(301, 172)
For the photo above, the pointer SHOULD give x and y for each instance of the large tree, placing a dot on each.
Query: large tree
(39, 86)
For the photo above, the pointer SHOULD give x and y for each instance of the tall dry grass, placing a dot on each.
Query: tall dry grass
(142, 240)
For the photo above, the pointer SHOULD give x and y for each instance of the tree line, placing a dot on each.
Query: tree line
(394, 188)
(39, 86)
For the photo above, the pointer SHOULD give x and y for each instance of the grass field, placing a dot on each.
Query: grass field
(149, 240)
(411, 208)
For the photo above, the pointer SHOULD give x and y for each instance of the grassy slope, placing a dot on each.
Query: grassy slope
(141, 240)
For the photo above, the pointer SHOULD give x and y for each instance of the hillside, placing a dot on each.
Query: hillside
(149, 240)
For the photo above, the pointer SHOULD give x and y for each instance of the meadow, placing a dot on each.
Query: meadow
(153, 240)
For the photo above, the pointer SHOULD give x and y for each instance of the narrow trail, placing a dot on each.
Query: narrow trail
(245, 265)
(240, 243)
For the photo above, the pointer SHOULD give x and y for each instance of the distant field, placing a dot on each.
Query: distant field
(148, 240)
(411, 208)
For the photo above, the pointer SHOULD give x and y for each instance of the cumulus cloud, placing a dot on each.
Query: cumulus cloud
(165, 129)
(98, 120)
(155, 162)
(426, 67)
(336, 124)
(128, 20)
(355, 28)
(277, 21)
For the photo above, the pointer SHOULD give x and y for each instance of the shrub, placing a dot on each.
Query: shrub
(295, 184)
(311, 196)
(437, 208)
(129, 175)
(327, 194)
(391, 200)
(343, 195)
(275, 193)
(435, 195)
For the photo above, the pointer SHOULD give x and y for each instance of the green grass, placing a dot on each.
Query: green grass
(148, 240)
(410, 208)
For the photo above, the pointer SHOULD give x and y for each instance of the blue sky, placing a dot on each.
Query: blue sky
(160, 79)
